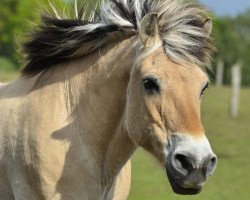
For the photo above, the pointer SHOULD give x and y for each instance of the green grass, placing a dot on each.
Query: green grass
(7, 76)
(230, 139)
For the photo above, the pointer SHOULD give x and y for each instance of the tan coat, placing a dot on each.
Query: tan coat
(60, 130)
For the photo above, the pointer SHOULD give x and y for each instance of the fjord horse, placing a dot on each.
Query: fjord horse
(93, 91)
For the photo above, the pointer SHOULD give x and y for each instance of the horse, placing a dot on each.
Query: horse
(93, 90)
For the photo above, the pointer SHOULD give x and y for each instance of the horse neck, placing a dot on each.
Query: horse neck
(97, 96)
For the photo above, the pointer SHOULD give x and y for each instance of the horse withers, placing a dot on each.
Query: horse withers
(95, 90)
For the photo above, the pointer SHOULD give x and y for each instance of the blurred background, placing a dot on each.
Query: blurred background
(225, 108)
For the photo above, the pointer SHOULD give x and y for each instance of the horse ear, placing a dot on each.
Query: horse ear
(208, 26)
(149, 32)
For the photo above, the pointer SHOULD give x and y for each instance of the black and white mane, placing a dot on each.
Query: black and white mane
(59, 39)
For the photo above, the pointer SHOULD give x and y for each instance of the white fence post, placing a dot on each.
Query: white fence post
(236, 84)
(219, 73)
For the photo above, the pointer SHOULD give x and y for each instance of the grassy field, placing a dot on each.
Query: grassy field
(230, 139)
(7, 70)
(7, 76)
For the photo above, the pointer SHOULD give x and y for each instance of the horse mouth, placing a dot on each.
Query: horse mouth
(180, 190)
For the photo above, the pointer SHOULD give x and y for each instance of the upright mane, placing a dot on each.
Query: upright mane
(59, 39)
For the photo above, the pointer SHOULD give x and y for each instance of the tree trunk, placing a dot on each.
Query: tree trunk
(219, 73)
(236, 84)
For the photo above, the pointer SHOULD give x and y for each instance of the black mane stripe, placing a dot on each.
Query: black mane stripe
(48, 47)
(58, 40)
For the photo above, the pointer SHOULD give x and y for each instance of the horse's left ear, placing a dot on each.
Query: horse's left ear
(149, 32)
(208, 26)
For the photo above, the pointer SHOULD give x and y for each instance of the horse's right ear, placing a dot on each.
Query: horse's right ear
(149, 32)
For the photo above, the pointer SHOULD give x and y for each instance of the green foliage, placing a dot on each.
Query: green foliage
(16, 18)
(13, 15)
(232, 39)
(230, 140)
(243, 27)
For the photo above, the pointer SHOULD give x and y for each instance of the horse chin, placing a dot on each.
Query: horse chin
(180, 190)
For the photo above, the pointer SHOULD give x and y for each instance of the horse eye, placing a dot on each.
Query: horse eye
(203, 90)
(151, 85)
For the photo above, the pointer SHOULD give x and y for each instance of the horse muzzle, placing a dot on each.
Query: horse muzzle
(189, 163)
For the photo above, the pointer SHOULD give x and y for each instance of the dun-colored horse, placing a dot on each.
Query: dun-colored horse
(94, 90)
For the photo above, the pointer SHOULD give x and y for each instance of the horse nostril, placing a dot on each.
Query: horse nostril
(184, 162)
(209, 166)
(213, 160)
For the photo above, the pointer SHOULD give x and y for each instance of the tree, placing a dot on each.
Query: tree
(242, 25)
(12, 15)
(16, 17)
(232, 39)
